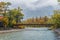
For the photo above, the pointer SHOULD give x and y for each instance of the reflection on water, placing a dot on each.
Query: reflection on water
(26, 34)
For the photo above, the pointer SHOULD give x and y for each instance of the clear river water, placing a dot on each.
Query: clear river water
(30, 34)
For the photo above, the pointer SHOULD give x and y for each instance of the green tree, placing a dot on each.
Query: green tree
(56, 19)
(3, 7)
(16, 16)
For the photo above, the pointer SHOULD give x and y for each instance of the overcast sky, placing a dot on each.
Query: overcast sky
(33, 8)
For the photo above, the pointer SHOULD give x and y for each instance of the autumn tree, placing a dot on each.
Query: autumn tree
(10, 16)
(4, 11)
(56, 20)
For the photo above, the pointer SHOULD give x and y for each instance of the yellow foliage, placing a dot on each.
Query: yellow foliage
(5, 20)
(13, 22)
(21, 27)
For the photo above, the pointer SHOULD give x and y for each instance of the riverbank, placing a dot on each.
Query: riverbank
(16, 30)
(57, 31)
(8, 31)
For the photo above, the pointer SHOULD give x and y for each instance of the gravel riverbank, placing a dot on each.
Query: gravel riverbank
(57, 31)
(12, 30)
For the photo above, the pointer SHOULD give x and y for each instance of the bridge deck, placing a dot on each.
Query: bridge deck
(34, 24)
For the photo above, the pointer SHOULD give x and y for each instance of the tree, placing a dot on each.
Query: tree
(3, 7)
(56, 20)
(15, 15)
(3, 11)
(10, 16)
(45, 19)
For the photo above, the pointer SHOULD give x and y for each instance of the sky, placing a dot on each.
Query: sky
(35, 8)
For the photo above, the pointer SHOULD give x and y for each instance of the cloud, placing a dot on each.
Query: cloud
(33, 4)
(39, 3)
(33, 8)
(44, 11)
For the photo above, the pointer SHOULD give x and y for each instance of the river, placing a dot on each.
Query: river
(30, 34)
